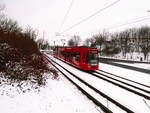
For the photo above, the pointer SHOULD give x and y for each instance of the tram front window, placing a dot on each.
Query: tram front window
(92, 59)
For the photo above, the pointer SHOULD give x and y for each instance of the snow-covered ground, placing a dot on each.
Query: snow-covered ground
(135, 56)
(139, 65)
(61, 96)
(58, 96)
(126, 73)
(130, 100)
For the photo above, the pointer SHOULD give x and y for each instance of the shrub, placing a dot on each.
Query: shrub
(20, 58)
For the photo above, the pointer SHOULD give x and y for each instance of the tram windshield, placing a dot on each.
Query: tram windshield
(92, 58)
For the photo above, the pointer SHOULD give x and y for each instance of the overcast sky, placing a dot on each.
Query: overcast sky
(47, 15)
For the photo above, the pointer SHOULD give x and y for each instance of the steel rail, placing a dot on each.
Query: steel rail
(125, 78)
(123, 82)
(121, 86)
(105, 109)
(99, 92)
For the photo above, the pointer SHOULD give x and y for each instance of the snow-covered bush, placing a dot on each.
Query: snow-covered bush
(19, 67)
(20, 58)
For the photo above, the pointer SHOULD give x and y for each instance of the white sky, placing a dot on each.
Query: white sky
(47, 15)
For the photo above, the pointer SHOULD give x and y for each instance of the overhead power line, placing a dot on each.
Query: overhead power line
(66, 15)
(131, 22)
(85, 19)
(135, 20)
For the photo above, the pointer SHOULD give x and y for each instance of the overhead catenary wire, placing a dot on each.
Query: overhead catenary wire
(136, 20)
(66, 15)
(133, 21)
(85, 19)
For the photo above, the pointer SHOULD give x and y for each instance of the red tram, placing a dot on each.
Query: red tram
(82, 57)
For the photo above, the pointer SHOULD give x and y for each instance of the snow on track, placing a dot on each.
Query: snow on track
(56, 97)
(126, 98)
(126, 73)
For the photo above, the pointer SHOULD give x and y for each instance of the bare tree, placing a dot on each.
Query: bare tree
(124, 41)
(9, 25)
(88, 42)
(144, 40)
(29, 32)
(43, 43)
(74, 41)
(100, 39)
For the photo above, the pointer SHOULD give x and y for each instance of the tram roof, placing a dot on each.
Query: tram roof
(77, 47)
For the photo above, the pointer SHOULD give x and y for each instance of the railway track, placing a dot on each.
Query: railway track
(138, 88)
(122, 84)
(103, 107)
(123, 78)
(127, 67)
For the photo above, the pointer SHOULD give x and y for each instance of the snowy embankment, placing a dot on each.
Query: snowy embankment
(138, 65)
(58, 96)
(126, 73)
(136, 103)
(132, 75)
(61, 96)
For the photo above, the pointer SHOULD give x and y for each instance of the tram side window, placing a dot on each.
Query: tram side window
(92, 58)
(77, 57)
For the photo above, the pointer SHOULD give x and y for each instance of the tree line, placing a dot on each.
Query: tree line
(126, 41)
